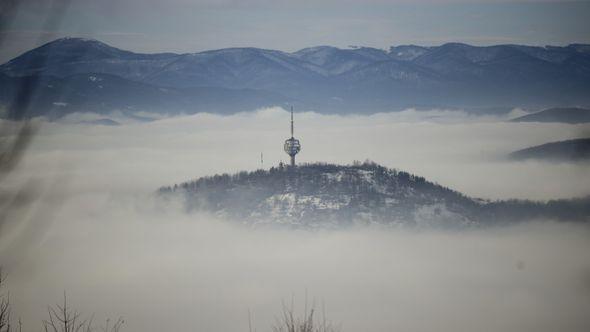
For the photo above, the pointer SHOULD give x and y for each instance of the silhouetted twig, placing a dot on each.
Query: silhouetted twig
(290, 322)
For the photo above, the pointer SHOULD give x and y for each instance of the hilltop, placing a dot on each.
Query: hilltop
(323, 195)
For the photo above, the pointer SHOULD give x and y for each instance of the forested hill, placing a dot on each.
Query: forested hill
(333, 196)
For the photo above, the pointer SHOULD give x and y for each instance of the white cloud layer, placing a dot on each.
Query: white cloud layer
(97, 233)
(466, 153)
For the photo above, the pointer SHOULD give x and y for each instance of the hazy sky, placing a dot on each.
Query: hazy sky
(195, 25)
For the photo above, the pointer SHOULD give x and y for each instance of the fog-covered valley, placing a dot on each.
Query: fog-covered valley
(91, 225)
(464, 152)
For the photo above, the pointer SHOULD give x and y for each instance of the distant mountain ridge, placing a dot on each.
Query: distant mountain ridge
(570, 150)
(572, 115)
(331, 79)
(318, 196)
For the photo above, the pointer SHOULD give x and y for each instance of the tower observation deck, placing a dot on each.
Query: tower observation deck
(292, 145)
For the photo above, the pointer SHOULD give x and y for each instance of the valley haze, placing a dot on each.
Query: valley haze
(133, 253)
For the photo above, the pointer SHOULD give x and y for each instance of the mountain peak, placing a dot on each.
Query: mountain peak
(66, 50)
(407, 52)
(75, 40)
(72, 55)
(335, 61)
(77, 44)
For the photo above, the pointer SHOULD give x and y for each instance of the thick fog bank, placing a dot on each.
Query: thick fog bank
(87, 223)
(463, 152)
(164, 270)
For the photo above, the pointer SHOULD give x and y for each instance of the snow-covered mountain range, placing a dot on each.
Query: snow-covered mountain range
(326, 79)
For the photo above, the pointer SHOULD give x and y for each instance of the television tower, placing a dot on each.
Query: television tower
(292, 145)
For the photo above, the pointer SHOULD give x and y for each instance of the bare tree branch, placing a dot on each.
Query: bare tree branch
(290, 322)
(63, 318)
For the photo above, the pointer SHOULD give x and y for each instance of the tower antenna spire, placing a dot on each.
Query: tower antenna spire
(292, 121)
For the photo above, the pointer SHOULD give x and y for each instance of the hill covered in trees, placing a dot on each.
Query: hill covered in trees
(323, 195)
